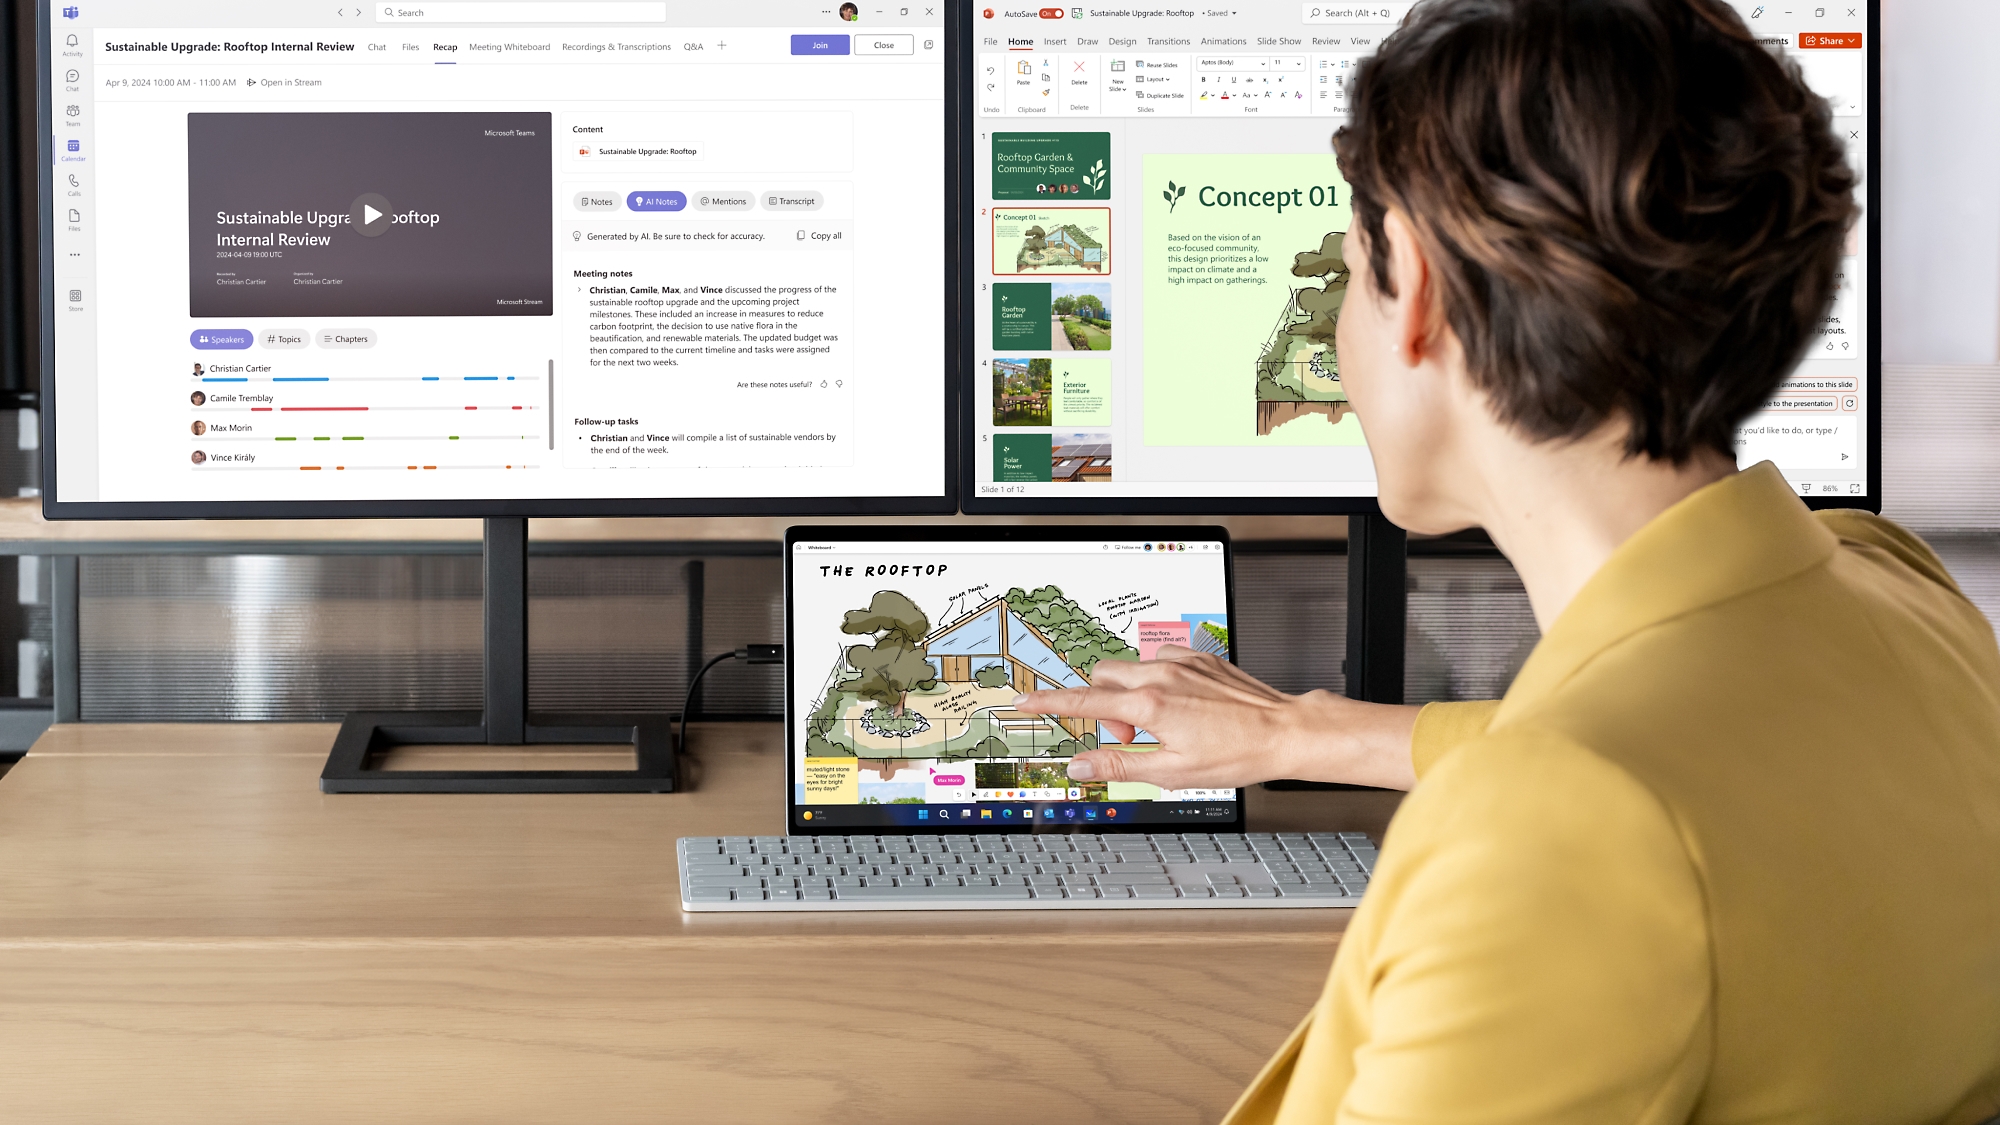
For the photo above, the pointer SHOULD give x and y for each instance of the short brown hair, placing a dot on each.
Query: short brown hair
(1633, 209)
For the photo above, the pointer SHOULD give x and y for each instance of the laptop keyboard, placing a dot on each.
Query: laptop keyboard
(1194, 869)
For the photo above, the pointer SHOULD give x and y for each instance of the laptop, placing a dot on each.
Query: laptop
(914, 782)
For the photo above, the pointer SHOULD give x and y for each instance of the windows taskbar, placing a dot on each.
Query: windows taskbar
(986, 816)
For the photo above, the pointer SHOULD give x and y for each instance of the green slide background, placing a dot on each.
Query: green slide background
(1202, 342)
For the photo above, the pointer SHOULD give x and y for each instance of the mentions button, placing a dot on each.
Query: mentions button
(657, 201)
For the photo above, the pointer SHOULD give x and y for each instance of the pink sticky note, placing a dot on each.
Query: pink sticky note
(1153, 634)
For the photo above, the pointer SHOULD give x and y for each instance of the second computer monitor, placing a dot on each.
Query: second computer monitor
(1153, 261)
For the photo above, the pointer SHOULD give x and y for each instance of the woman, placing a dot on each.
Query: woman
(1730, 847)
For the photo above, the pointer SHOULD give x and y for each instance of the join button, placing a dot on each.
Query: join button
(819, 44)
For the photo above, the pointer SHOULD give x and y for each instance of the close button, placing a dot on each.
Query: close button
(885, 44)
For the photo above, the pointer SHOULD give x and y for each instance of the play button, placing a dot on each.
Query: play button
(370, 215)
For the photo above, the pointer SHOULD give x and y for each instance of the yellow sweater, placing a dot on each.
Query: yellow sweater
(1728, 851)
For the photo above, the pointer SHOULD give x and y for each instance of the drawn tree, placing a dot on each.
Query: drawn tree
(1322, 305)
(897, 663)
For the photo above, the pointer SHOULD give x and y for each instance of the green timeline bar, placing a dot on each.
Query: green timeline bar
(350, 439)
(285, 439)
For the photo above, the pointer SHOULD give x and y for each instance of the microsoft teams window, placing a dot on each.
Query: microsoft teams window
(508, 250)
(1157, 253)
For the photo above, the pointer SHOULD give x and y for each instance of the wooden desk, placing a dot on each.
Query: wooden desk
(191, 932)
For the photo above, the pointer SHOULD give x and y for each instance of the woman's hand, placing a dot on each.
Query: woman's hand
(1221, 728)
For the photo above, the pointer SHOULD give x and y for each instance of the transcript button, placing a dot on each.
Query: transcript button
(793, 201)
(344, 338)
(284, 339)
(596, 201)
(657, 201)
(884, 45)
(725, 201)
(819, 44)
(221, 339)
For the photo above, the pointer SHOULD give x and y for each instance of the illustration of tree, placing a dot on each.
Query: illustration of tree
(896, 664)
(1322, 305)
(1173, 195)
(1079, 638)
(1037, 239)
(1096, 176)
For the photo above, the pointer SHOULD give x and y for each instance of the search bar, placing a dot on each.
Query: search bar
(1354, 13)
(534, 11)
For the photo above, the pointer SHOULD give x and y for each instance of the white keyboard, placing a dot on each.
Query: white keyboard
(1193, 870)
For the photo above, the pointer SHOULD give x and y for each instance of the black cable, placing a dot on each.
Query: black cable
(749, 654)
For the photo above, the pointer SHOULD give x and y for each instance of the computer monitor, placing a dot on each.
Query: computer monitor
(521, 257)
(1148, 242)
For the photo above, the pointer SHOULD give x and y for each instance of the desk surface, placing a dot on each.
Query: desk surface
(187, 925)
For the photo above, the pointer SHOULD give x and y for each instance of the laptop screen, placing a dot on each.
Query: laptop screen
(907, 653)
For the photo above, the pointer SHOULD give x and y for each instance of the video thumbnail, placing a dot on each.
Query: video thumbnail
(370, 214)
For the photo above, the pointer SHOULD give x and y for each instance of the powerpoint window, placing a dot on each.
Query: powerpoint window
(507, 250)
(1157, 264)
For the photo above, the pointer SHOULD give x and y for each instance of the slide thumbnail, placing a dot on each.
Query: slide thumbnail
(370, 214)
(1051, 240)
(1040, 165)
(1083, 315)
(1021, 316)
(1022, 394)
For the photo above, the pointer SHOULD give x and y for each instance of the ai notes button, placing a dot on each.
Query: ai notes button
(656, 201)
(819, 44)
(221, 339)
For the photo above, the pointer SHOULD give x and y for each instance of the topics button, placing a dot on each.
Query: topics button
(656, 201)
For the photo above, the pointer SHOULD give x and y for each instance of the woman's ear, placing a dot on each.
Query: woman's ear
(1413, 313)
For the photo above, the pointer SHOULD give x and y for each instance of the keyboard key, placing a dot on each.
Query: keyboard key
(1130, 880)
(708, 894)
(930, 894)
(1315, 890)
(699, 880)
(1219, 879)
(1262, 892)
(1149, 891)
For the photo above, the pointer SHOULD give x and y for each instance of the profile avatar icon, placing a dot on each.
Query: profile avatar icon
(850, 13)
(197, 371)
(199, 428)
(199, 457)
(198, 398)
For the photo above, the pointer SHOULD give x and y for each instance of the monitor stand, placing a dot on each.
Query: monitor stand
(505, 722)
